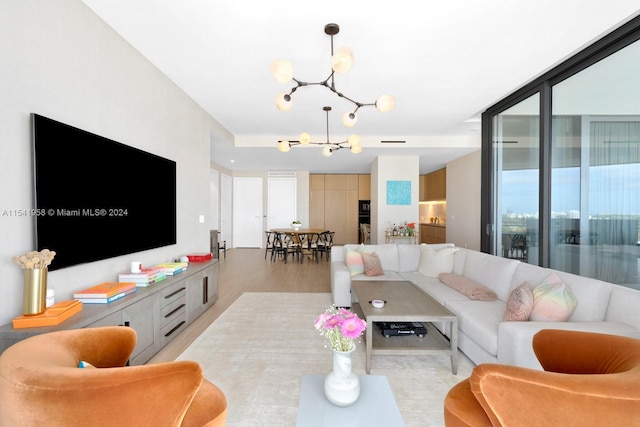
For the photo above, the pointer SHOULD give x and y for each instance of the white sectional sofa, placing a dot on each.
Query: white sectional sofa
(482, 334)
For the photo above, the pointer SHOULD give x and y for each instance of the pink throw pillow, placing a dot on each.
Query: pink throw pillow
(470, 288)
(519, 304)
(372, 266)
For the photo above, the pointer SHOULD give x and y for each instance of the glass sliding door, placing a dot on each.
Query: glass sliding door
(595, 184)
(516, 158)
(561, 165)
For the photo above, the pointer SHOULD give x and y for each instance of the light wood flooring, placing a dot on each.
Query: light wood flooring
(246, 270)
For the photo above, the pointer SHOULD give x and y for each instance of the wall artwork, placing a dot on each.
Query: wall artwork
(398, 192)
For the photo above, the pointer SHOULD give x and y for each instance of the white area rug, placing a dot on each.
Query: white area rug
(259, 348)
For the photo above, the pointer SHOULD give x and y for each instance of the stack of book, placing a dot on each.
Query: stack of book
(146, 277)
(173, 268)
(105, 292)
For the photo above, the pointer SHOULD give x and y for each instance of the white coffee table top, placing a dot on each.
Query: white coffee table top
(375, 407)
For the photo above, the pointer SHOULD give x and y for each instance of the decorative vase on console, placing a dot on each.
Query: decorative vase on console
(341, 385)
(34, 264)
(341, 328)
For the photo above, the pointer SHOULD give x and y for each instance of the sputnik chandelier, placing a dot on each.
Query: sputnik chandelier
(353, 142)
(341, 62)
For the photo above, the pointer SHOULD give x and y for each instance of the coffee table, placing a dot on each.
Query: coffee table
(375, 407)
(405, 302)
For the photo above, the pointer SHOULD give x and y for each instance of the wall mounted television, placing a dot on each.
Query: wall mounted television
(96, 198)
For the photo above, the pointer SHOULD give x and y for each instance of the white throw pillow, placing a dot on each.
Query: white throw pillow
(433, 262)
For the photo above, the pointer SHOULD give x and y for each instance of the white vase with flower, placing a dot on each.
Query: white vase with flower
(341, 328)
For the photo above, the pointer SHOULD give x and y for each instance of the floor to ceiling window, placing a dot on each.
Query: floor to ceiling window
(563, 186)
(516, 159)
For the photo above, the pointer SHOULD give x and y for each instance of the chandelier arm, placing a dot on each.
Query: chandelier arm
(283, 70)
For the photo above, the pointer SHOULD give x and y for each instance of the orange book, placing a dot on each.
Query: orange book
(105, 290)
(53, 315)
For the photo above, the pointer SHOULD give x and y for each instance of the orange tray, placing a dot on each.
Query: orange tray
(52, 316)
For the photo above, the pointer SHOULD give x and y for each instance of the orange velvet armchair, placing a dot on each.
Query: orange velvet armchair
(42, 385)
(589, 379)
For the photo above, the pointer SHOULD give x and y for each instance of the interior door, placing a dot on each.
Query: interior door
(247, 212)
(282, 202)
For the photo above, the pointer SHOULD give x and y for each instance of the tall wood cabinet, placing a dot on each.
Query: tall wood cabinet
(433, 186)
(333, 203)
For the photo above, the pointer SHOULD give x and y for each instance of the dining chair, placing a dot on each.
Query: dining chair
(312, 246)
(268, 245)
(325, 243)
(280, 247)
(300, 241)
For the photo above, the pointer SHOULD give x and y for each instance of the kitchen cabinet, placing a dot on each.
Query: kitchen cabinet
(333, 204)
(433, 233)
(435, 185)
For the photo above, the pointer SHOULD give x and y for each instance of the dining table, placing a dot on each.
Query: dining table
(295, 233)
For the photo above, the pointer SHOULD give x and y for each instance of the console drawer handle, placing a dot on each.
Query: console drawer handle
(172, 312)
(174, 293)
(174, 329)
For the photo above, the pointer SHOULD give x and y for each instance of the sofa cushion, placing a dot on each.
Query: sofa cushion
(409, 255)
(623, 306)
(491, 271)
(354, 261)
(519, 304)
(553, 301)
(433, 287)
(479, 320)
(470, 288)
(372, 265)
(388, 275)
(433, 262)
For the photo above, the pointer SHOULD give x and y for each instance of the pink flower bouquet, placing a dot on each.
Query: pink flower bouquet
(340, 327)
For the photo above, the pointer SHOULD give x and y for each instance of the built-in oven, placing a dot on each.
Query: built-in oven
(364, 215)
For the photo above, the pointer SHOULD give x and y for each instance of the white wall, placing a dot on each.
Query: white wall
(58, 59)
(395, 168)
(463, 201)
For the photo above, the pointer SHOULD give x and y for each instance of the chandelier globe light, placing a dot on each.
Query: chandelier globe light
(352, 143)
(342, 61)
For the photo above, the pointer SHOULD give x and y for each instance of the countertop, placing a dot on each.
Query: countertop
(432, 224)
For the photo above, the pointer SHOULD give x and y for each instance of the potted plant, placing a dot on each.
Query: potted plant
(296, 224)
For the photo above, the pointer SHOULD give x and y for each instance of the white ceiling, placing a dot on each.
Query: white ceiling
(444, 63)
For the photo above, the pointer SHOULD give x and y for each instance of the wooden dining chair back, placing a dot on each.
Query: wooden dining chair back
(325, 243)
(312, 245)
(268, 244)
(300, 242)
(280, 247)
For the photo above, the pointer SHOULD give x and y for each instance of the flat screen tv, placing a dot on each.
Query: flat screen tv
(96, 198)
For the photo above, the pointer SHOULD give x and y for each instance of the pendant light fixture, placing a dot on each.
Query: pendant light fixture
(328, 147)
(341, 62)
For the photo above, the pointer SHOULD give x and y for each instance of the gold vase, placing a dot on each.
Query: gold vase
(35, 291)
